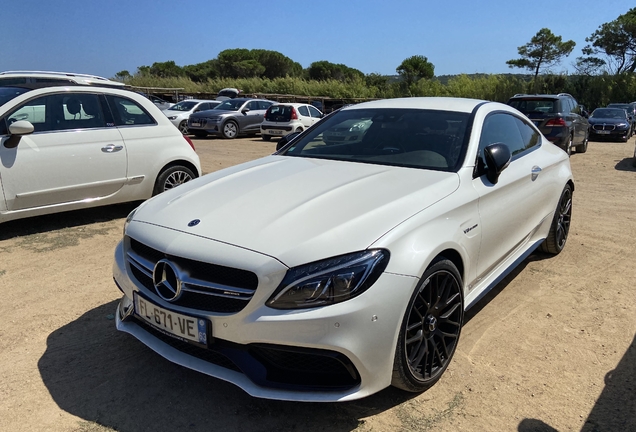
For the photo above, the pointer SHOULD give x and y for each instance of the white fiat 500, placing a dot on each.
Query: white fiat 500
(327, 272)
(72, 145)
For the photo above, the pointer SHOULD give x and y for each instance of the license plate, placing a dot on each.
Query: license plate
(603, 132)
(184, 327)
(195, 124)
(275, 132)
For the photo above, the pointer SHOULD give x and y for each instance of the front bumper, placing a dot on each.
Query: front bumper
(334, 353)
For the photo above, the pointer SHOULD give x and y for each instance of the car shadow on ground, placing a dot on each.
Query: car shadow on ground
(69, 219)
(615, 409)
(494, 292)
(101, 375)
(627, 164)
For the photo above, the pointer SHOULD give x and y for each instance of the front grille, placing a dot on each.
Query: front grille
(205, 286)
(602, 127)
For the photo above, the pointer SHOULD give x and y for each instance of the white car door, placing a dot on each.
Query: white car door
(71, 156)
(304, 116)
(315, 114)
(513, 208)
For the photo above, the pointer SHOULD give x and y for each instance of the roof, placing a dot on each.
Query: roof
(433, 103)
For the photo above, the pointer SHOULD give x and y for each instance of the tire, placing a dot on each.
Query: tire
(200, 134)
(183, 127)
(172, 177)
(431, 325)
(582, 148)
(560, 227)
(568, 146)
(266, 137)
(230, 129)
(299, 129)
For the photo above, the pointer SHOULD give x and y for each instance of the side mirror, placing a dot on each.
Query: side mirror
(497, 159)
(286, 139)
(21, 127)
(16, 130)
(245, 110)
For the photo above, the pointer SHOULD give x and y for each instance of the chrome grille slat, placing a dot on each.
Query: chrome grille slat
(187, 287)
(197, 293)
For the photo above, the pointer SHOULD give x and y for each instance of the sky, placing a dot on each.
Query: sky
(373, 36)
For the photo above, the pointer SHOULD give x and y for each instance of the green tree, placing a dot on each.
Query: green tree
(201, 72)
(122, 75)
(544, 50)
(415, 68)
(616, 42)
(166, 69)
(276, 64)
(324, 70)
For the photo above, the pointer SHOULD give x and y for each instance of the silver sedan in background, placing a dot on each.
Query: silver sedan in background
(179, 113)
(233, 117)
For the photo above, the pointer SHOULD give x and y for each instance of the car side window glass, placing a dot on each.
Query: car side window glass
(264, 105)
(500, 128)
(314, 112)
(253, 105)
(75, 111)
(33, 111)
(529, 135)
(127, 112)
(303, 111)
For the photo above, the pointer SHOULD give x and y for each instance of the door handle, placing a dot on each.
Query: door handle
(535, 172)
(112, 148)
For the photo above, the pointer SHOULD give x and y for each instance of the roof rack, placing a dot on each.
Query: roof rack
(564, 94)
(55, 73)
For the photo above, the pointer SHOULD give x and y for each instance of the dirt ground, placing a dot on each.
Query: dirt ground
(551, 348)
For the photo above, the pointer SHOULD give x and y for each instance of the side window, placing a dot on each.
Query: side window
(127, 112)
(34, 111)
(575, 106)
(75, 111)
(253, 105)
(303, 111)
(264, 105)
(566, 106)
(314, 112)
(529, 136)
(500, 128)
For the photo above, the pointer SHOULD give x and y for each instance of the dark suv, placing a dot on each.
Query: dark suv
(559, 118)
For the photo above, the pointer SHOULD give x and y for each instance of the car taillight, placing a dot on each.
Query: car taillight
(189, 142)
(294, 116)
(559, 121)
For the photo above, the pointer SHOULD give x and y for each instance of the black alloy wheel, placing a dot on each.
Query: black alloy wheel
(558, 235)
(430, 329)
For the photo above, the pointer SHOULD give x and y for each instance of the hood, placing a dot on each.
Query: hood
(299, 210)
(609, 120)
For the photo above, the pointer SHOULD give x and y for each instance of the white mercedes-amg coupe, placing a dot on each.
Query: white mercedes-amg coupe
(329, 271)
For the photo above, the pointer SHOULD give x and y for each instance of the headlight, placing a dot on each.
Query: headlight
(622, 125)
(129, 219)
(329, 281)
(357, 127)
(172, 118)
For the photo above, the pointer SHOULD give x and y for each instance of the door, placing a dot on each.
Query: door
(71, 156)
(251, 121)
(512, 209)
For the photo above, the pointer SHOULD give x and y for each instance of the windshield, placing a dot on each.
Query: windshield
(8, 93)
(609, 113)
(401, 137)
(183, 106)
(231, 105)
